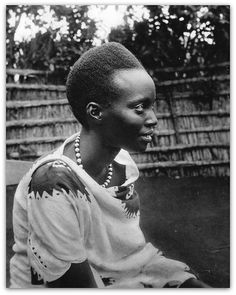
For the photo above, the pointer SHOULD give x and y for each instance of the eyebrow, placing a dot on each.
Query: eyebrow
(141, 100)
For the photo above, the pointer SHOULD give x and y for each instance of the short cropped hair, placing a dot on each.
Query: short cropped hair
(90, 79)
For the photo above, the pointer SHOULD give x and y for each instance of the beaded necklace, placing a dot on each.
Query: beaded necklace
(79, 162)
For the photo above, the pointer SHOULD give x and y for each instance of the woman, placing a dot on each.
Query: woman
(76, 212)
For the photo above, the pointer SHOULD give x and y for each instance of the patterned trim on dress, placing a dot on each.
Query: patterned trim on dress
(53, 178)
(129, 200)
(36, 278)
(35, 253)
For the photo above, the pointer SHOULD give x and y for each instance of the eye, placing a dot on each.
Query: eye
(139, 108)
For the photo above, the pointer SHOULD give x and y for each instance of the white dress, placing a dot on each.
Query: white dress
(61, 216)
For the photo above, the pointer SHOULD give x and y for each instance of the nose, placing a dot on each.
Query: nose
(151, 120)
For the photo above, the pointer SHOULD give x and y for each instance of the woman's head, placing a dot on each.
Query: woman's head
(110, 92)
(91, 77)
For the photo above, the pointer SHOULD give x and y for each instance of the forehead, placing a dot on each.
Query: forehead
(134, 83)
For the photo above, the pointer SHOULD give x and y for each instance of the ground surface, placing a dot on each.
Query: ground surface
(188, 219)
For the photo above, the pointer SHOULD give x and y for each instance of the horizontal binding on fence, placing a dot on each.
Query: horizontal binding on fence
(15, 104)
(219, 113)
(63, 101)
(190, 94)
(38, 122)
(193, 80)
(194, 130)
(149, 150)
(26, 72)
(35, 140)
(176, 164)
(39, 87)
(52, 121)
(164, 83)
(182, 147)
(192, 68)
(10, 142)
(11, 71)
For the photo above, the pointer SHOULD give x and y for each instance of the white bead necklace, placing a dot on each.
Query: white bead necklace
(79, 162)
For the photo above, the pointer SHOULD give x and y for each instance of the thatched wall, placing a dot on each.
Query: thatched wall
(193, 111)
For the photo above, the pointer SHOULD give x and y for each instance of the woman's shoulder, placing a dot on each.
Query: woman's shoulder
(56, 174)
(49, 169)
(47, 175)
(53, 172)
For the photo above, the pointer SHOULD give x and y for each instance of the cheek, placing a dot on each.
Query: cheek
(127, 123)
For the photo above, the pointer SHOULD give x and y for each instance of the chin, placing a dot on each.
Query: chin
(138, 148)
(142, 149)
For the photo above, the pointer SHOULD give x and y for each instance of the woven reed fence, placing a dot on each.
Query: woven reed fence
(193, 110)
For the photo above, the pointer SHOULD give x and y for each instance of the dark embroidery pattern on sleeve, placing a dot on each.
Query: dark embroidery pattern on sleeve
(108, 281)
(130, 200)
(56, 175)
(131, 207)
(35, 277)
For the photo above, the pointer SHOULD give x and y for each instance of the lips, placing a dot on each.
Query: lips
(147, 136)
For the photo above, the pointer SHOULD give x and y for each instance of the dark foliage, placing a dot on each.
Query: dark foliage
(181, 35)
(186, 35)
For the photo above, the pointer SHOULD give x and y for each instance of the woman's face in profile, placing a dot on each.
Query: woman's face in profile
(129, 122)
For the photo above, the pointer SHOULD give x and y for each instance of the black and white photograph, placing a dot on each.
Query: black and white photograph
(117, 150)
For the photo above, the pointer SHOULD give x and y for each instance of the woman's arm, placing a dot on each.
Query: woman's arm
(194, 283)
(52, 210)
(79, 275)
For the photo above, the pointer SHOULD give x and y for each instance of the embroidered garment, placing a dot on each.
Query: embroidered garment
(61, 216)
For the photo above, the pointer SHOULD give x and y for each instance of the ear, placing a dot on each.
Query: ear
(94, 111)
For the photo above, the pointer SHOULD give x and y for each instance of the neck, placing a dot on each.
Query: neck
(95, 154)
